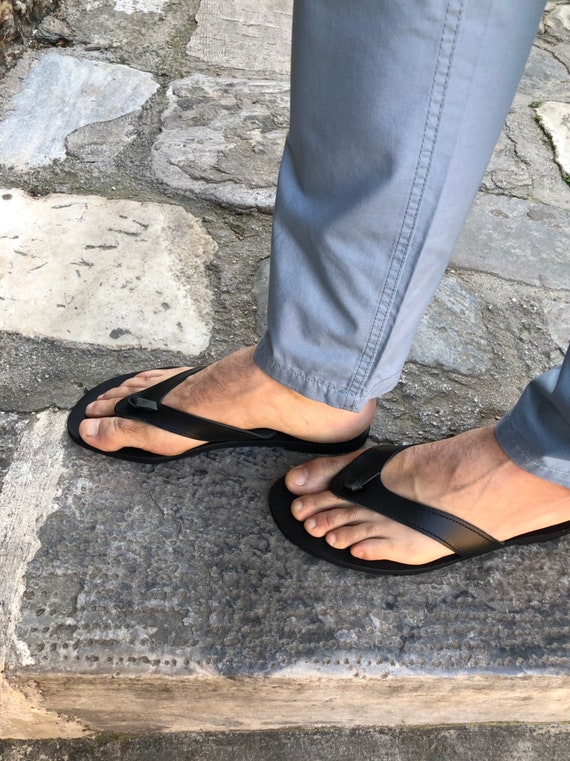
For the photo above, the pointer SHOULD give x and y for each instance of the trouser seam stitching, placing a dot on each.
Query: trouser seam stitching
(398, 257)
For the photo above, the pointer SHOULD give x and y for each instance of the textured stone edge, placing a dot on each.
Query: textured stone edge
(492, 742)
(208, 703)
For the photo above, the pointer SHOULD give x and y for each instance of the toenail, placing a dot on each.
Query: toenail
(90, 427)
(311, 523)
(297, 506)
(331, 539)
(300, 476)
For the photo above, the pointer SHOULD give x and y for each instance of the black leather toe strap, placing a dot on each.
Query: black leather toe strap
(360, 483)
(147, 407)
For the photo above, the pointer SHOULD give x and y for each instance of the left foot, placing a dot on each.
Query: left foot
(468, 475)
(233, 391)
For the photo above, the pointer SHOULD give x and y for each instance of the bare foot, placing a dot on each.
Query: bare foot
(468, 475)
(233, 391)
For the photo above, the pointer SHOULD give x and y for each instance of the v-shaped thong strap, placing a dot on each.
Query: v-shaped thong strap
(148, 407)
(361, 482)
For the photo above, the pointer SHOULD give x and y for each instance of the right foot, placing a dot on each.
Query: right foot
(468, 475)
(233, 391)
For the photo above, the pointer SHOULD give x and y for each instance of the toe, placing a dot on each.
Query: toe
(311, 504)
(130, 386)
(353, 530)
(112, 433)
(101, 408)
(314, 476)
(376, 548)
(139, 382)
(405, 547)
(338, 520)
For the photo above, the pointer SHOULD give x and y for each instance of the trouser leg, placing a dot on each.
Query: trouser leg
(536, 432)
(395, 110)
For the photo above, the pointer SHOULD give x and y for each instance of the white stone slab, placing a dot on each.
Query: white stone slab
(26, 499)
(244, 34)
(557, 18)
(61, 94)
(130, 6)
(144, 6)
(114, 273)
(555, 120)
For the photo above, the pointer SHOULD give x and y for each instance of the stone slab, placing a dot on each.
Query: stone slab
(558, 315)
(98, 145)
(18, 539)
(452, 334)
(178, 570)
(555, 31)
(147, 34)
(113, 273)
(11, 426)
(522, 164)
(207, 703)
(222, 139)
(545, 76)
(555, 120)
(518, 240)
(60, 94)
(557, 20)
(506, 172)
(243, 34)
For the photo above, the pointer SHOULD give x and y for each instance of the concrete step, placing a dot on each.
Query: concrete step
(161, 597)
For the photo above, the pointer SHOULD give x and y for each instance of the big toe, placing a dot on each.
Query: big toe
(314, 476)
(109, 434)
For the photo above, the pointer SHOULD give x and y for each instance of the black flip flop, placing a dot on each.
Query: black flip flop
(147, 407)
(361, 484)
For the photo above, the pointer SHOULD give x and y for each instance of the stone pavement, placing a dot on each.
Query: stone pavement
(138, 160)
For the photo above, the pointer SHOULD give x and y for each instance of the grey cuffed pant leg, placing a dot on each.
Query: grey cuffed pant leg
(536, 432)
(395, 110)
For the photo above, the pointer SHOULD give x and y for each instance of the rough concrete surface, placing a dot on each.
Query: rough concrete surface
(150, 600)
(108, 592)
(517, 240)
(150, 35)
(222, 139)
(493, 743)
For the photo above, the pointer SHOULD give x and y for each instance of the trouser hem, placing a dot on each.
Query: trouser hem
(515, 446)
(314, 388)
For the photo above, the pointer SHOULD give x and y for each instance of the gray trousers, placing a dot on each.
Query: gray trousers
(395, 110)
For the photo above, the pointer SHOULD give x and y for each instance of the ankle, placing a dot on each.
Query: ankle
(437, 469)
